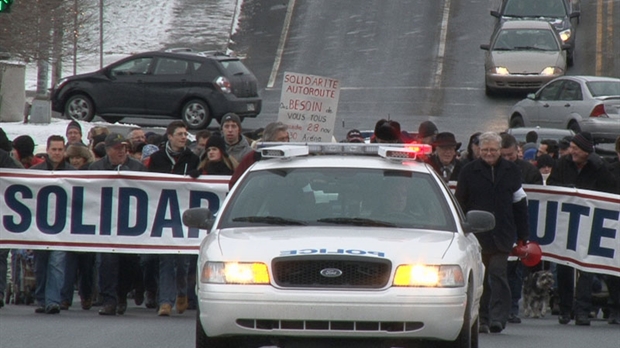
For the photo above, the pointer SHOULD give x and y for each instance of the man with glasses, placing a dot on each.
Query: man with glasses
(493, 184)
(174, 157)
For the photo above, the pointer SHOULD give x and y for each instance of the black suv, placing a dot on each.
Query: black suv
(193, 86)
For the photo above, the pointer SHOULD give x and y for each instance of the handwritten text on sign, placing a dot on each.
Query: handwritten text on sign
(308, 106)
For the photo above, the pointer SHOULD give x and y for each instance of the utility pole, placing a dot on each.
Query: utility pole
(100, 34)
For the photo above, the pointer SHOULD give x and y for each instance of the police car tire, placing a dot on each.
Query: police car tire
(204, 341)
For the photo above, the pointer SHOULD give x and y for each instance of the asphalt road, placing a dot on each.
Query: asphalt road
(409, 60)
(142, 328)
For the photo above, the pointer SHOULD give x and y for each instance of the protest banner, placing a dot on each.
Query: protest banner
(576, 227)
(141, 212)
(105, 211)
(308, 106)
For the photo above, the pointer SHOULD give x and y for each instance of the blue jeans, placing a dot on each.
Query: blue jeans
(172, 277)
(4, 254)
(49, 271)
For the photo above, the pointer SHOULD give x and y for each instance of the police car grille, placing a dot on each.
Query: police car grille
(357, 272)
(330, 325)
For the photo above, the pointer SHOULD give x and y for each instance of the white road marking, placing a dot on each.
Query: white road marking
(442, 44)
(283, 37)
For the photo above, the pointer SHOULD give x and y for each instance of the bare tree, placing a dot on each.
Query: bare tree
(47, 32)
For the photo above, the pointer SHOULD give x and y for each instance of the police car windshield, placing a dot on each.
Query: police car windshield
(339, 196)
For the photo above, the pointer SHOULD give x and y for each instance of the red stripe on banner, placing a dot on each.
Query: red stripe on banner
(120, 176)
(576, 194)
(101, 245)
(583, 264)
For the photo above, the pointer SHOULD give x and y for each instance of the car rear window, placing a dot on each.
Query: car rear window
(604, 88)
(235, 67)
(339, 196)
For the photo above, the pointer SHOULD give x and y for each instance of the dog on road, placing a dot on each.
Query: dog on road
(537, 288)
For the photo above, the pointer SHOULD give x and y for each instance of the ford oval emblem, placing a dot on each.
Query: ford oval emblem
(331, 272)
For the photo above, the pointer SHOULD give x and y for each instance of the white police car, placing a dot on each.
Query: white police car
(339, 241)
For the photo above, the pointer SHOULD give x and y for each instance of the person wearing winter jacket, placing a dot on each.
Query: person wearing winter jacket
(176, 158)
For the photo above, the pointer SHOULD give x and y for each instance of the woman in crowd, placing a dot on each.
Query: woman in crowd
(217, 161)
(79, 156)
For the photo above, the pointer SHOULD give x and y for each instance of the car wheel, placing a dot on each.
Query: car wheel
(488, 91)
(112, 119)
(574, 126)
(196, 114)
(79, 107)
(204, 341)
(516, 122)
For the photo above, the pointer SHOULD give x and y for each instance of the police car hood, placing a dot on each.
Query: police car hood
(266, 243)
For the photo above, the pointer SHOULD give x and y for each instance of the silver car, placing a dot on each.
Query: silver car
(522, 56)
(579, 103)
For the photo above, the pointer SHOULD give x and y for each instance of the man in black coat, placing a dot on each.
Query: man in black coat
(176, 158)
(529, 175)
(493, 184)
(116, 270)
(583, 169)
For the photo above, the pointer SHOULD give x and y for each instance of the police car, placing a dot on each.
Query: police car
(339, 242)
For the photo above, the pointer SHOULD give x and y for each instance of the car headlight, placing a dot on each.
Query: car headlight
(551, 70)
(565, 35)
(235, 273)
(446, 276)
(500, 70)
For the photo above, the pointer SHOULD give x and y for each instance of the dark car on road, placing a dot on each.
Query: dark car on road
(562, 14)
(195, 87)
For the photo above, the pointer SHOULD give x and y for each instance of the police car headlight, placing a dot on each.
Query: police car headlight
(446, 276)
(235, 273)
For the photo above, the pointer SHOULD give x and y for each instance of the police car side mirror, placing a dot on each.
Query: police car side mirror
(479, 221)
(199, 218)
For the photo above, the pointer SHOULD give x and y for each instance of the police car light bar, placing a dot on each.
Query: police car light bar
(409, 151)
(284, 151)
(388, 151)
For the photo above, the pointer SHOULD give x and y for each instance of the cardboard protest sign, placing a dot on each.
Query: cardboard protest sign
(308, 106)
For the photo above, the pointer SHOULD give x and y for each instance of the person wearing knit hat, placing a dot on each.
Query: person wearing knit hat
(530, 155)
(217, 160)
(23, 151)
(545, 164)
(427, 132)
(386, 131)
(584, 141)
(237, 145)
(74, 133)
(582, 169)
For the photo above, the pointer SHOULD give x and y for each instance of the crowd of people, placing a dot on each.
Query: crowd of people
(489, 174)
